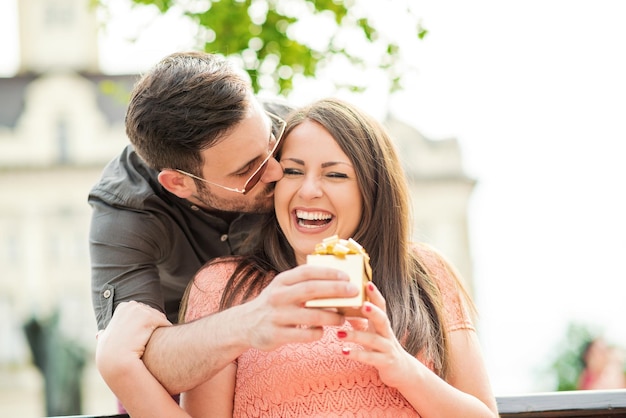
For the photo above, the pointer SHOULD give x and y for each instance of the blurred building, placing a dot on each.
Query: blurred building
(440, 192)
(61, 121)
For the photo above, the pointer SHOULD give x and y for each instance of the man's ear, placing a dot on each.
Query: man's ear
(177, 183)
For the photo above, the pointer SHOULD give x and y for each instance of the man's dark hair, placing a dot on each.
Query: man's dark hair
(184, 105)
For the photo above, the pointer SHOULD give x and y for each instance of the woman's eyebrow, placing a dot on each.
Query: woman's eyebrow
(332, 163)
(294, 160)
(324, 165)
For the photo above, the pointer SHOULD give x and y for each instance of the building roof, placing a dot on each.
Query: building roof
(111, 94)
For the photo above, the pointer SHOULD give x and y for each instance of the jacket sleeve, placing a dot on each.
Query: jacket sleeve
(125, 247)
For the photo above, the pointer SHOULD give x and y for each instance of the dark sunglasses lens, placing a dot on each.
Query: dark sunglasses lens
(255, 178)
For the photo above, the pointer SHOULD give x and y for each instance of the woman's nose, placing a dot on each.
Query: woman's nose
(311, 187)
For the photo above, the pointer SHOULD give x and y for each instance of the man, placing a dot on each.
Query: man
(200, 170)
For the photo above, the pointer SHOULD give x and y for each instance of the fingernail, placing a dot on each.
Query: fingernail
(370, 286)
(368, 307)
(345, 351)
(342, 334)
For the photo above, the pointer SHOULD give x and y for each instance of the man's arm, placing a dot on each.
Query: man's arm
(184, 356)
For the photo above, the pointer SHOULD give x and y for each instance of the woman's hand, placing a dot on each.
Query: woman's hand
(126, 336)
(381, 348)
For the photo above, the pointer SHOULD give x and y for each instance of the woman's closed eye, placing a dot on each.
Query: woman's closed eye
(336, 175)
(295, 172)
(289, 171)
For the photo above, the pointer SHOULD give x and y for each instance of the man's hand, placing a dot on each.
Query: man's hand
(278, 316)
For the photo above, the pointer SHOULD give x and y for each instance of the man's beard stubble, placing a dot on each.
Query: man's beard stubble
(261, 202)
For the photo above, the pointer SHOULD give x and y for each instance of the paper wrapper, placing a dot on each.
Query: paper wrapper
(354, 261)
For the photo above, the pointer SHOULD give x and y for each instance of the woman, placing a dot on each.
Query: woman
(415, 354)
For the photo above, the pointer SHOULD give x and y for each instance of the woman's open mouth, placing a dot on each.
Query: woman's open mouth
(313, 219)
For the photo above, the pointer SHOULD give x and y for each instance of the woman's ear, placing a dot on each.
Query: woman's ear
(177, 183)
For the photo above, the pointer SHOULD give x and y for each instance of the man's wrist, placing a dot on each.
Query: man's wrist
(238, 327)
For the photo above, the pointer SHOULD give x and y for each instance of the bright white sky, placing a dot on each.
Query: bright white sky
(535, 92)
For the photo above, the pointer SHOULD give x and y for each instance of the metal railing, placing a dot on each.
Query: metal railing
(580, 404)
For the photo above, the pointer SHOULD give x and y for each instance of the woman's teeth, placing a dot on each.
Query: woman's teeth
(312, 219)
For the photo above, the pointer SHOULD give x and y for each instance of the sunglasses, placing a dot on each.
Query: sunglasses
(278, 128)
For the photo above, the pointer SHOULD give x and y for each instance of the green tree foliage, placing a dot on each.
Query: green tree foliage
(277, 40)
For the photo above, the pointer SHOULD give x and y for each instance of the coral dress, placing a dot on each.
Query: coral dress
(314, 379)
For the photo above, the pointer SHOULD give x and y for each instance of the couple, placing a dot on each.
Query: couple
(414, 352)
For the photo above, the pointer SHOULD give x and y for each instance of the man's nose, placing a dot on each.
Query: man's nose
(274, 171)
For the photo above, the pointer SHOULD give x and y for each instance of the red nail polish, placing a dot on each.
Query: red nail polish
(368, 308)
(341, 334)
(370, 286)
(345, 351)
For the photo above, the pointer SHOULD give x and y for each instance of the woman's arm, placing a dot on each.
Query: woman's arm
(213, 398)
(118, 359)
